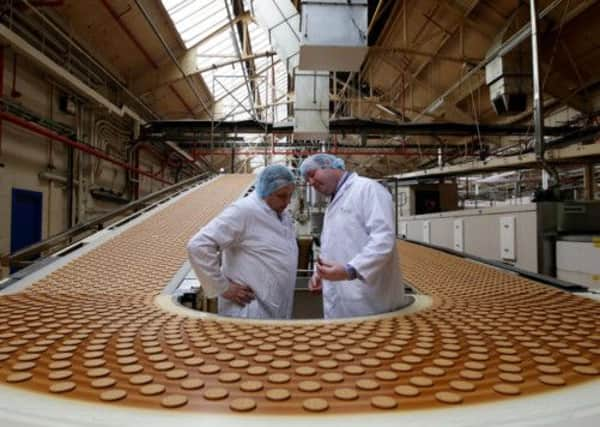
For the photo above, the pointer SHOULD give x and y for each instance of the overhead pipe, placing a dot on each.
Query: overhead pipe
(75, 144)
(309, 152)
(538, 109)
(37, 56)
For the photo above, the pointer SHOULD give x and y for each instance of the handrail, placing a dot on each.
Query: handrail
(97, 223)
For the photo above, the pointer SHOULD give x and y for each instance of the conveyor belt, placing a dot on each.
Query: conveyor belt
(90, 331)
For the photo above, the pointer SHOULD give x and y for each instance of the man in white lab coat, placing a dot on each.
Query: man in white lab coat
(248, 255)
(359, 270)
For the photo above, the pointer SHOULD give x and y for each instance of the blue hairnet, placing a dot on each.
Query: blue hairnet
(321, 161)
(272, 178)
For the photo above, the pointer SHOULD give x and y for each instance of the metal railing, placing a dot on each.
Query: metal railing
(20, 258)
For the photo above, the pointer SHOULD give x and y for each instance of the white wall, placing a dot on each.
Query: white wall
(481, 231)
(25, 154)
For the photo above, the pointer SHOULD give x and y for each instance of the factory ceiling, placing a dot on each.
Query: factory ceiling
(200, 60)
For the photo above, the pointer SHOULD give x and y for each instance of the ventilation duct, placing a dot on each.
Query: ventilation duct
(334, 35)
(280, 18)
(311, 106)
(509, 82)
(508, 75)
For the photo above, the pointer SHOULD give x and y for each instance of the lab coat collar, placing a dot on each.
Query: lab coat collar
(343, 188)
(264, 206)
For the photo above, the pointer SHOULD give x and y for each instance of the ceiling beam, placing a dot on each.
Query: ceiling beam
(168, 73)
(572, 153)
(448, 35)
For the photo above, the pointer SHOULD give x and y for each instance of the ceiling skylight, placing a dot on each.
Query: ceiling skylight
(239, 93)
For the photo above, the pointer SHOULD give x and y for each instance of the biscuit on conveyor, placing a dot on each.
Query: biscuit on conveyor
(345, 393)
(215, 393)
(506, 389)
(448, 397)
(60, 375)
(406, 391)
(113, 395)
(309, 386)
(383, 402)
(367, 384)
(141, 379)
(277, 394)
(243, 404)
(552, 380)
(62, 387)
(420, 381)
(332, 377)
(257, 370)
(132, 369)
(174, 401)
(103, 382)
(192, 384)
(251, 386)
(462, 385)
(586, 370)
(18, 377)
(152, 389)
(315, 404)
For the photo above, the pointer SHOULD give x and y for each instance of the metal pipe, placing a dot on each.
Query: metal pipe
(538, 112)
(75, 144)
(70, 179)
(538, 108)
(92, 59)
(22, 45)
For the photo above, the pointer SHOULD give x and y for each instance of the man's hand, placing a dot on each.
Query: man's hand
(331, 271)
(315, 285)
(239, 294)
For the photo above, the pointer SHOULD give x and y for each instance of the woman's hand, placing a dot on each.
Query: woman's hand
(239, 294)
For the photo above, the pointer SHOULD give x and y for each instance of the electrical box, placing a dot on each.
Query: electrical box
(508, 238)
(67, 105)
(578, 217)
(459, 235)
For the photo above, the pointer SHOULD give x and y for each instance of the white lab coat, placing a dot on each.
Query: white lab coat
(358, 229)
(248, 244)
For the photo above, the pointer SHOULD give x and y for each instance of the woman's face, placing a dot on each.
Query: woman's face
(280, 199)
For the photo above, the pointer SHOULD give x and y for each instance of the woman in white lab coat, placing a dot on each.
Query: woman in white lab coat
(248, 255)
(359, 268)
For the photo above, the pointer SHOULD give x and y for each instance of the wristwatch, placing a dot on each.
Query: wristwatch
(352, 274)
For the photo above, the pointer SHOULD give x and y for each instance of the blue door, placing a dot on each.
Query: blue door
(26, 219)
